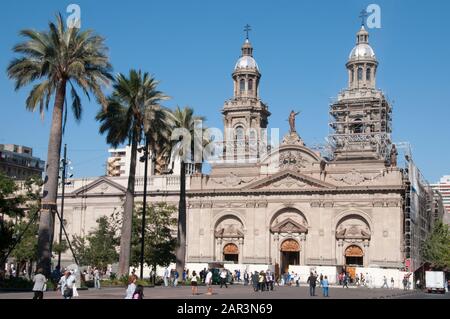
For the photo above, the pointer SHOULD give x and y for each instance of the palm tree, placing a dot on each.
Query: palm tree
(186, 122)
(133, 111)
(58, 57)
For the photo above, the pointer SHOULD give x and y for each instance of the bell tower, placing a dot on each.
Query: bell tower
(360, 118)
(245, 115)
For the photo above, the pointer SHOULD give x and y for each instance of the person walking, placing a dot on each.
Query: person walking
(166, 277)
(392, 282)
(175, 278)
(312, 284)
(131, 287)
(325, 286)
(345, 281)
(62, 283)
(96, 278)
(139, 292)
(246, 278)
(69, 285)
(40, 284)
(405, 283)
(320, 280)
(194, 283)
(255, 280)
(385, 284)
(208, 281)
(223, 278)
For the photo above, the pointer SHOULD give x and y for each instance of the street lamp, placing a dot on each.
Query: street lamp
(144, 159)
(63, 176)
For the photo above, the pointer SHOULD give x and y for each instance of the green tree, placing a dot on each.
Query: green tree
(133, 111)
(436, 248)
(58, 57)
(99, 248)
(159, 243)
(20, 206)
(184, 124)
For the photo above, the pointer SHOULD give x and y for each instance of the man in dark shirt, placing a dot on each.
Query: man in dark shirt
(312, 284)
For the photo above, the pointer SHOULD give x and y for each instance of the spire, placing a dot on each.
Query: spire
(247, 49)
(362, 36)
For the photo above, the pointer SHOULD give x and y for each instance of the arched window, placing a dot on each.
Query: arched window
(250, 85)
(357, 127)
(360, 74)
(242, 85)
(368, 74)
(352, 76)
(239, 134)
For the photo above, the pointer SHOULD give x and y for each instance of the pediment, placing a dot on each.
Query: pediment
(288, 226)
(101, 186)
(289, 180)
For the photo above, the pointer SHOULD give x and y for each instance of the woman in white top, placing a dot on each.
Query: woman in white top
(131, 287)
(194, 283)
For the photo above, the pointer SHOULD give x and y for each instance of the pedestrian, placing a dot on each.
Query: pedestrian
(385, 284)
(166, 277)
(40, 284)
(139, 292)
(175, 278)
(325, 286)
(312, 284)
(261, 280)
(223, 278)
(246, 278)
(392, 282)
(405, 283)
(345, 281)
(96, 278)
(131, 287)
(62, 282)
(320, 280)
(69, 285)
(208, 281)
(194, 283)
(255, 281)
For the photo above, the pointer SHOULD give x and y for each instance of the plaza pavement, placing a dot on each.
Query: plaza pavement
(238, 292)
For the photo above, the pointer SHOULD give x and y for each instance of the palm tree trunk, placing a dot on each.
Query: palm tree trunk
(125, 241)
(48, 205)
(181, 234)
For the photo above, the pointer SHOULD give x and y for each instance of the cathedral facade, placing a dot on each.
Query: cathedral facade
(287, 205)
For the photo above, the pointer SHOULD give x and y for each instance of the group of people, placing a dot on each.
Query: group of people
(262, 281)
(313, 280)
(134, 291)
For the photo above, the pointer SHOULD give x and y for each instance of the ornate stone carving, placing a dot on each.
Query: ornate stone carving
(292, 160)
(230, 249)
(288, 226)
(354, 177)
(290, 245)
(289, 182)
(353, 228)
(232, 180)
(353, 251)
(292, 138)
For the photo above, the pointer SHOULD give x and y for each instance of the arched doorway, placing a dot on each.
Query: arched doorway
(231, 253)
(354, 256)
(290, 254)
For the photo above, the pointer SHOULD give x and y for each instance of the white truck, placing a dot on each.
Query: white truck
(435, 281)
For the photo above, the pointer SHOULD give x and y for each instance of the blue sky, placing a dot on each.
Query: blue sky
(301, 48)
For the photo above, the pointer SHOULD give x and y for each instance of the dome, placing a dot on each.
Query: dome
(246, 62)
(361, 51)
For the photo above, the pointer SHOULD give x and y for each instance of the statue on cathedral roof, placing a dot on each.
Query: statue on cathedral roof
(292, 121)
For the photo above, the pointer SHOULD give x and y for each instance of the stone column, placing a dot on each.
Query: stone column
(340, 252)
(366, 245)
(219, 254)
(302, 249)
(241, 250)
